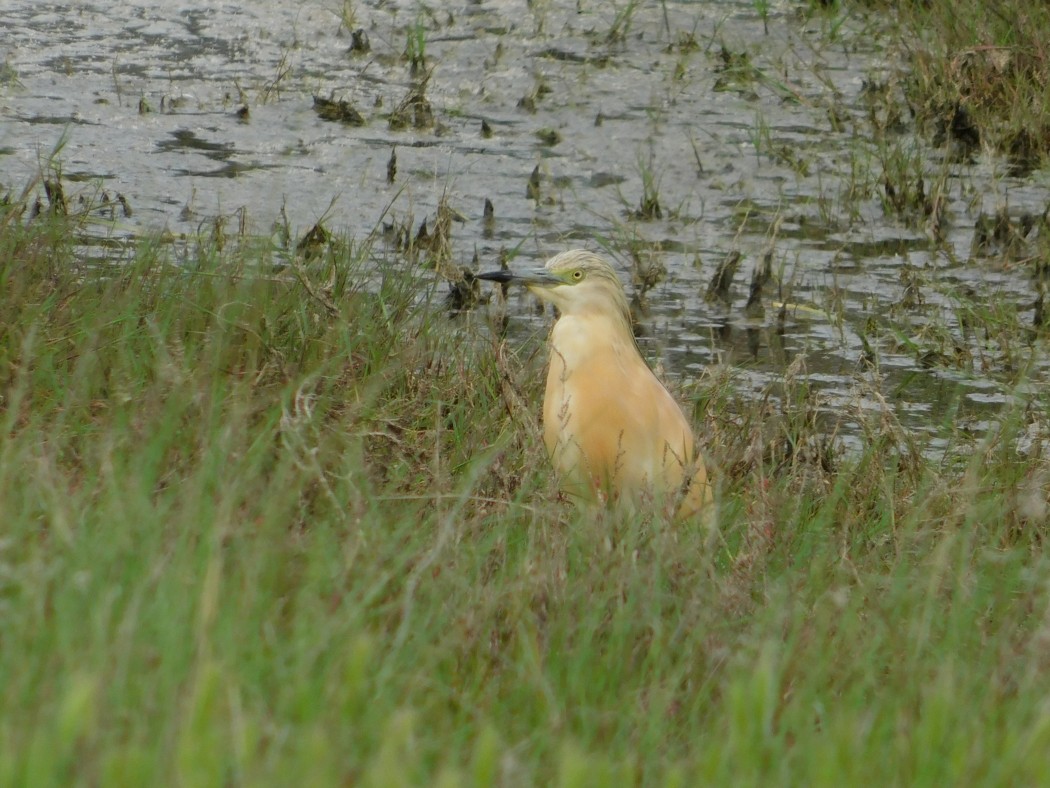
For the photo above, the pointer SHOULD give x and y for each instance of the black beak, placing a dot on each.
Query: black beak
(532, 276)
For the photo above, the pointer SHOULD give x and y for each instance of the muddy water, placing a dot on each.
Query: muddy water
(750, 140)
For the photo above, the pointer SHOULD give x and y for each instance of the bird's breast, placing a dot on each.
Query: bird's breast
(613, 432)
(608, 422)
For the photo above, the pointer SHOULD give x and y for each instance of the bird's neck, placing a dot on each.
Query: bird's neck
(581, 334)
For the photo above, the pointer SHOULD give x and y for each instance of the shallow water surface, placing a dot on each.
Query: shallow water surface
(749, 141)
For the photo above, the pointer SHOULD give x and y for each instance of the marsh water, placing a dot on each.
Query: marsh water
(668, 134)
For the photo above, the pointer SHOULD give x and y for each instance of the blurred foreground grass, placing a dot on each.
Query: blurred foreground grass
(294, 530)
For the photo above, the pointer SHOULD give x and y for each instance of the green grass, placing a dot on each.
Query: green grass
(249, 541)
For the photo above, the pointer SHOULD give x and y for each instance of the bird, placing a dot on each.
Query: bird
(613, 432)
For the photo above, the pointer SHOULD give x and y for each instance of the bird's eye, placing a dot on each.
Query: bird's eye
(577, 275)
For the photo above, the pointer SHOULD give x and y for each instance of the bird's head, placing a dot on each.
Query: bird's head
(578, 282)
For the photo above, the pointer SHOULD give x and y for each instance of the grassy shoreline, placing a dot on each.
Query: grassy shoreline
(265, 528)
(247, 540)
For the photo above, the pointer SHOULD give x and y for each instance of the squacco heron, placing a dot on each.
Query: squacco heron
(612, 431)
